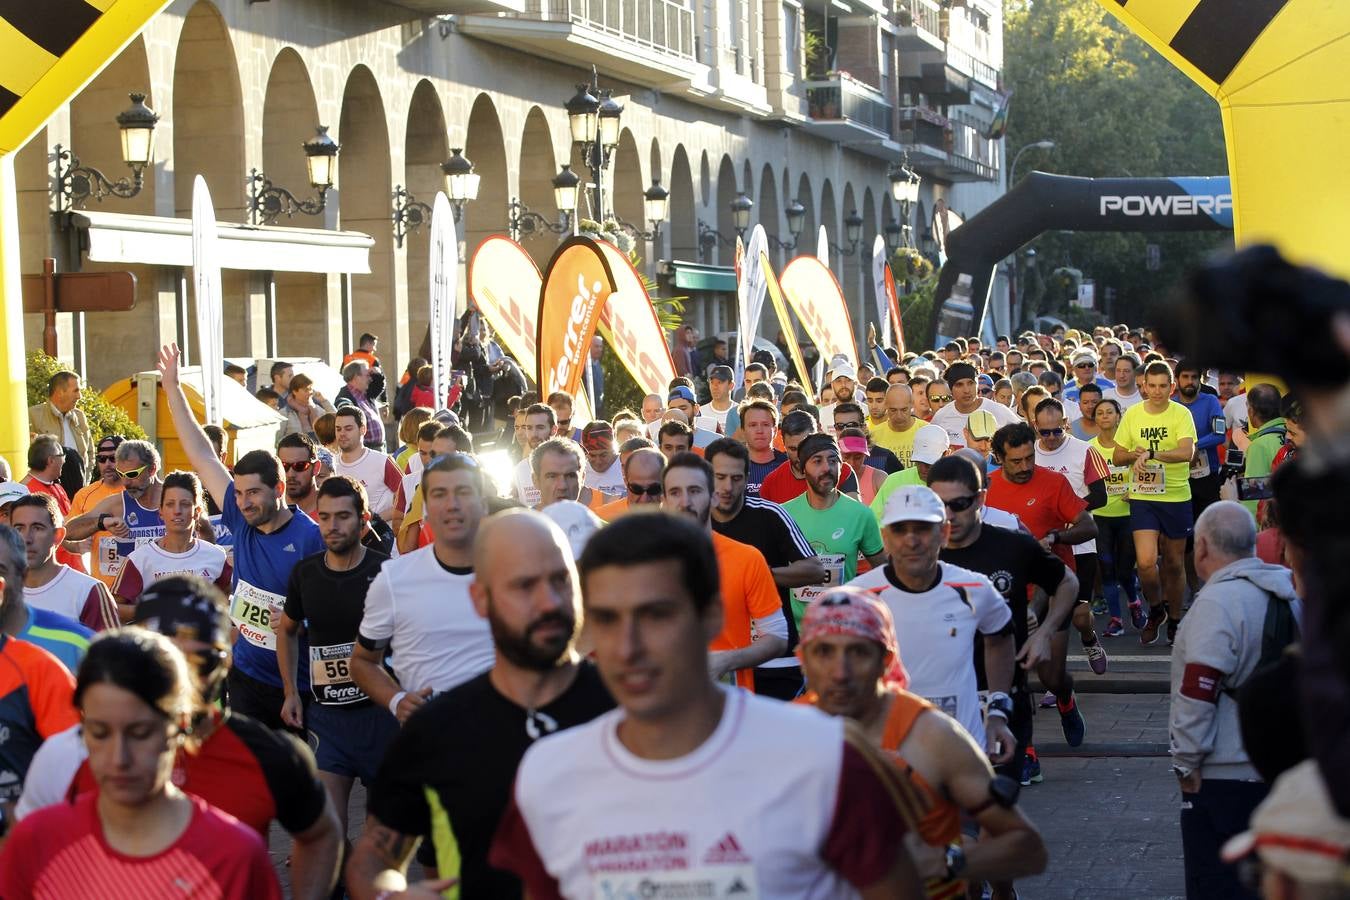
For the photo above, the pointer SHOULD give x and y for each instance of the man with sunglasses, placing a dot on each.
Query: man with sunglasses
(951, 417)
(94, 493)
(125, 519)
(1084, 364)
(642, 482)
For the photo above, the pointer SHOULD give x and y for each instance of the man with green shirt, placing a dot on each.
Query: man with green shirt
(931, 443)
(1267, 429)
(838, 527)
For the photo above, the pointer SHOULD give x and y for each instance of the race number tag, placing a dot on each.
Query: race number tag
(733, 881)
(255, 612)
(834, 576)
(1152, 480)
(330, 674)
(1200, 465)
(112, 551)
(1118, 482)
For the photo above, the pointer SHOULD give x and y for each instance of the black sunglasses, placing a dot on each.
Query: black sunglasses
(1050, 432)
(961, 504)
(297, 466)
(651, 490)
(106, 458)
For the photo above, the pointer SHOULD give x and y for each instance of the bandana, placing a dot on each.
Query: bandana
(597, 438)
(856, 613)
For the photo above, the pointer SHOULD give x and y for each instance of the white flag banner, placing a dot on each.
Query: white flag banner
(444, 280)
(823, 246)
(879, 285)
(206, 285)
(755, 288)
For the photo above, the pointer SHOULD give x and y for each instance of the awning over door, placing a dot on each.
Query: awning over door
(692, 276)
(160, 241)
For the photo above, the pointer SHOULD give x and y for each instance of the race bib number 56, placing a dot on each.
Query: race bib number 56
(255, 612)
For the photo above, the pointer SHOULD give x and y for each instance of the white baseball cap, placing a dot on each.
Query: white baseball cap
(844, 370)
(930, 444)
(11, 491)
(1296, 830)
(576, 521)
(913, 503)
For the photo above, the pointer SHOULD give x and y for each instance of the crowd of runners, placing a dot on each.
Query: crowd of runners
(591, 671)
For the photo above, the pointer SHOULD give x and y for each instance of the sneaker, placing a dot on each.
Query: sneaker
(1172, 626)
(1114, 628)
(1096, 655)
(1071, 720)
(1149, 633)
(1048, 700)
(1099, 606)
(1031, 769)
(1137, 616)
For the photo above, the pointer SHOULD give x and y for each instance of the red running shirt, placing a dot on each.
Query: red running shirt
(59, 852)
(1046, 503)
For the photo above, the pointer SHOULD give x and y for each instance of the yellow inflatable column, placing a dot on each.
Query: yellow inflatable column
(13, 401)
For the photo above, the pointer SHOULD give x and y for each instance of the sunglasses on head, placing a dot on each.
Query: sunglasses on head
(1050, 432)
(297, 466)
(961, 504)
(651, 490)
(133, 473)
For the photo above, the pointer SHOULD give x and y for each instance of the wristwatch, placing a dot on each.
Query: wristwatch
(1003, 792)
(1000, 704)
(955, 858)
(101, 518)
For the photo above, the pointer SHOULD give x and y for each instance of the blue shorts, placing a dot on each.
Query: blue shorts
(1174, 519)
(350, 740)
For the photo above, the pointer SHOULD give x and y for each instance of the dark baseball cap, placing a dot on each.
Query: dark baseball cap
(721, 373)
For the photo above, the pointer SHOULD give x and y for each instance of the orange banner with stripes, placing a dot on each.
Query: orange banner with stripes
(577, 284)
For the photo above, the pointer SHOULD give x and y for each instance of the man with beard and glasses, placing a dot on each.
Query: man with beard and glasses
(269, 539)
(327, 597)
(109, 482)
(124, 519)
(642, 483)
(299, 456)
(768, 528)
(452, 783)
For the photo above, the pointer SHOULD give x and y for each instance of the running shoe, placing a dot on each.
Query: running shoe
(1114, 628)
(1096, 655)
(1048, 700)
(1071, 720)
(1099, 606)
(1138, 618)
(1172, 626)
(1149, 633)
(1031, 769)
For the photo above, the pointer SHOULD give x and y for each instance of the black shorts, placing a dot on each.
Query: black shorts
(350, 740)
(256, 699)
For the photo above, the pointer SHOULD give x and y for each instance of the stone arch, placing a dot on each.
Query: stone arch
(869, 289)
(770, 213)
(683, 225)
(726, 192)
(365, 173)
(94, 136)
(538, 167)
(705, 181)
(851, 278)
(657, 172)
(485, 147)
(807, 242)
(626, 184)
(425, 146)
(829, 217)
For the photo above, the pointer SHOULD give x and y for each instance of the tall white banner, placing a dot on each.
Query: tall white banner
(444, 279)
(879, 286)
(209, 296)
(754, 287)
(823, 246)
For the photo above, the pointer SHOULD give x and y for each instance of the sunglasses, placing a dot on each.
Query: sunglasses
(106, 458)
(297, 466)
(941, 398)
(961, 504)
(133, 473)
(1050, 432)
(651, 490)
(1085, 366)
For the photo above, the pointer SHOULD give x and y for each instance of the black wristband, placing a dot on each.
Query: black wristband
(101, 517)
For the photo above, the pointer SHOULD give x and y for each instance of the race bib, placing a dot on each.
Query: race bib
(1200, 465)
(330, 674)
(1118, 482)
(255, 612)
(834, 576)
(113, 551)
(735, 882)
(1153, 480)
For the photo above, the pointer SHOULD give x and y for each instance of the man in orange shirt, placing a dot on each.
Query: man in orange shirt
(642, 479)
(754, 630)
(91, 495)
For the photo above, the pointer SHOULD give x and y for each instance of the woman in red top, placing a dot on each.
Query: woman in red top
(138, 836)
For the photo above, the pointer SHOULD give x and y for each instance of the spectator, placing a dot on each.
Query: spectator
(238, 373)
(403, 396)
(61, 416)
(302, 406)
(365, 351)
(1268, 431)
(281, 374)
(359, 392)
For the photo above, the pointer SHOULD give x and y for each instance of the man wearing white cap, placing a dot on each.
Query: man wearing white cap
(1301, 844)
(844, 383)
(930, 445)
(966, 399)
(938, 609)
(1084, 364)
(9, 492)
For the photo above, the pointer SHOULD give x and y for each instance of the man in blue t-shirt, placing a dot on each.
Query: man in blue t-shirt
(269, 539)
(62, 637)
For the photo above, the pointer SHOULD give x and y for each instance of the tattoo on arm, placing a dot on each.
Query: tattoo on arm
(395, 847)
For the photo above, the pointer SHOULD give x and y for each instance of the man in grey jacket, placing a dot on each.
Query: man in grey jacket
(1217, 648)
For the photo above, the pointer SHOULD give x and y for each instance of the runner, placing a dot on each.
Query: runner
(254, 773)
(1211, 431)
(178, 552)
(1126, 391)
(373, 468)
(623, 800)
(930, 444)
(759, 419)
(965, 399)
(121, 522)
(1085, 426)
(49, 584)
(789, 480)
(721, 407)
(854, 449)
(540, 423)
(938, 609)
(299, 460)
(269, 539)
(139, 834)
(1157, 439)
(327, 596)
(604, 474)
(839, 528)
(418, 611)
(108, 483)
(754, 630)
(1115, 546)
(642, 481)
(853, 670)
(850, 415)
(62, 637)
(452, 784)
(874, 394)
(556, 465)
(901, 426)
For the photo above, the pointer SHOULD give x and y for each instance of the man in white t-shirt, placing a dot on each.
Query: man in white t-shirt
(1126, 389)
(51, 585)
(721, 408)
(376, 471)
(540, 422)
(961, 378)
(603, 473)
(418, 608)
(622, 804)
(938, 609)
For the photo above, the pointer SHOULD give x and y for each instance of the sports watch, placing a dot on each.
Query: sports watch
(1000, 704)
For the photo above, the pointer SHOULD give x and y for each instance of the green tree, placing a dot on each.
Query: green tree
(1113, 107)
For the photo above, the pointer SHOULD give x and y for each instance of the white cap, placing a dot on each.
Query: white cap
(844, 370)
(1296, 830)
(930, 444)
(1084, 356)
(576, 521)
(913, 503)
(11, 491)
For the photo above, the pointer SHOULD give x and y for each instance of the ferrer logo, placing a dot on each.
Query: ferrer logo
(1171, 205)
(583, 307)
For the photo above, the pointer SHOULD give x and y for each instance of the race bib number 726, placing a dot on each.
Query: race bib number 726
(255, 612)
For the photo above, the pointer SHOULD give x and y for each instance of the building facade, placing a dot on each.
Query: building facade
(771, 98)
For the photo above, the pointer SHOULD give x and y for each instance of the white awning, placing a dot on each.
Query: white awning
(160, 241)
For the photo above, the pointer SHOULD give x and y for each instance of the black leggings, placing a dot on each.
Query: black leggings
(1115, 554)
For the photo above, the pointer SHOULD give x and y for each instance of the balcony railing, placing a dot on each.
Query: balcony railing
(925, 14)
(972, 65)
(665, 26)
(843, 97)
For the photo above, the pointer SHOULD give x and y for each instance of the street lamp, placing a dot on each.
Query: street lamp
(76, 183)
(460, 180)
(740, 213)
(894, 233)
(595, 127)
(565, 185)
(655, 202)
(523, 221)
(708, 237)
(266, 201)
(1034, 145)
(796, 220)
(905, 184)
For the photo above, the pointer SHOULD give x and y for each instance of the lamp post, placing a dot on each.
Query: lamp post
(523, 221)
(266, 201)
(905, 184)
(461, 186)
(796, 220)
(655, 203)
(853, 224)
(708, 237)
(76, 183)
(1034, 145)
(593, 117)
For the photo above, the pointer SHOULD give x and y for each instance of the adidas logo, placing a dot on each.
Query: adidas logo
(289, 548)
(727, 850)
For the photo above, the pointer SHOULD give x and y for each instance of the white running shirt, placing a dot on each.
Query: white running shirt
(936, 633)
(379, 473)
(77, 596)
(150, 562)
(1125, 402)
(1081, 465)
(609, 482)
(953, 421)
(423, 612)
(526, 493)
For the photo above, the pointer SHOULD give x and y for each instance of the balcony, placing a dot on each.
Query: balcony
(842, 109)
(647, 42)
(924, 30)
(947, 149)
(461, 7)
(945, 84)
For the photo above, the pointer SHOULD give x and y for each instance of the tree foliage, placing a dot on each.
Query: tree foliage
(1113, 107)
